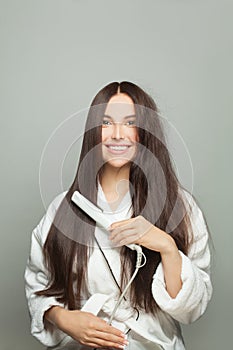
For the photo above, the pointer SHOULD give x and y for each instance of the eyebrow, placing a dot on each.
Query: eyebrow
(127, 117)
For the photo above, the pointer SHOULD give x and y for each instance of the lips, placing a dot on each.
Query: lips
(118, 149)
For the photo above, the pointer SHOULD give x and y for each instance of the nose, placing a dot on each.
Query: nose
(118, 131)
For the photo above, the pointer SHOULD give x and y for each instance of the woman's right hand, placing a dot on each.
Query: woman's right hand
(86, 328)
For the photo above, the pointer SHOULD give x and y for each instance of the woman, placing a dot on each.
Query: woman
(77, 270)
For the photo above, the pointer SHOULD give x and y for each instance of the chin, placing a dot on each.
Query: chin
(117, 163)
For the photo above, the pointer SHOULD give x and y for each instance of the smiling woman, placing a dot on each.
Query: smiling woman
(76, 270)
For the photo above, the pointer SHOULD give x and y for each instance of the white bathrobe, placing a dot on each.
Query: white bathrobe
(147, 332)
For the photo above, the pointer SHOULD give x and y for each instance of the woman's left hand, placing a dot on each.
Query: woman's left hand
(140, 231)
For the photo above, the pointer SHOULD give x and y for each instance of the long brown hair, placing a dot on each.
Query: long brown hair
(70, 240)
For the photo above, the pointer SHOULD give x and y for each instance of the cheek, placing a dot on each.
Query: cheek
(134, 136)
(105, 134)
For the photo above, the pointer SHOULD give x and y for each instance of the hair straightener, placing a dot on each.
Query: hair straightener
(98, 216)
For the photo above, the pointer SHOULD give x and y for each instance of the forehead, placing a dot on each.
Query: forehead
(120, 106)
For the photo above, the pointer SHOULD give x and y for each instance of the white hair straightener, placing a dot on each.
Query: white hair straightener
(98, 216)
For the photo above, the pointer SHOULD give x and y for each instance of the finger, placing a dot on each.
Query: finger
(111, 337)
(104, 338)
(100, 346)
(109, 343)
(132, 240)
(122, 228)
(119, 223)
(107, 328)
(103, 341)
(124, 235)
(126, 240)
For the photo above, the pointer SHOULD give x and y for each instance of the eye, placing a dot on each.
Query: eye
(106, 122)
(130, 122)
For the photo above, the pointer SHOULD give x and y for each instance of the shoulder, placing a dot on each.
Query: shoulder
(55, 203)
(191, 203)
(42, 229)
(194, 212)
(199, 229)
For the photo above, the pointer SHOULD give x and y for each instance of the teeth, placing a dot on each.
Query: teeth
(118, 148)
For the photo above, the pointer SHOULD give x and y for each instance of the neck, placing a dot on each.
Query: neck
(113, 177)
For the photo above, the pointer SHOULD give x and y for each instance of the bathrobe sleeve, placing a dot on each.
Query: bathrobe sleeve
(36, 278)
(192, 300)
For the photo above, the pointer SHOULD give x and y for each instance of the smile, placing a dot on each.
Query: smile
(118, 149)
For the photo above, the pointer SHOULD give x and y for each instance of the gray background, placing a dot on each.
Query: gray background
(55, 56)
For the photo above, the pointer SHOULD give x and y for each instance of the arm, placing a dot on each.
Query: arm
(181, 284)
(86, 328)
(159, 240)
(192, 300)
(172, 264)
(139, 230)
(51, 322)
(36, 278)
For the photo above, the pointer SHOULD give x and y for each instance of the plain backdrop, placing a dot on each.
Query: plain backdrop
(55, 56)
